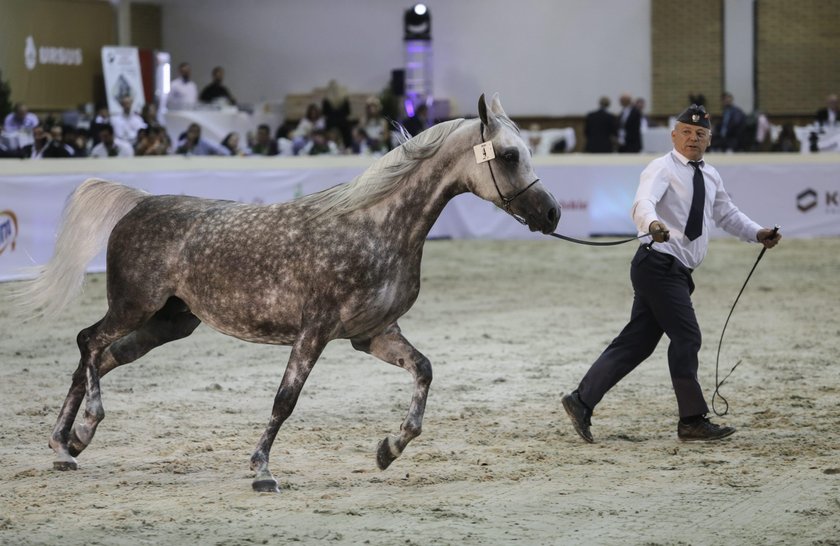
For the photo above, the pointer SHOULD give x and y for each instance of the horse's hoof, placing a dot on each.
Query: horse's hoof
(384, 456)
(65, 465)
(265, 486)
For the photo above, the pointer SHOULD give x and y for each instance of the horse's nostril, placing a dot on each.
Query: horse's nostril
(553, 215)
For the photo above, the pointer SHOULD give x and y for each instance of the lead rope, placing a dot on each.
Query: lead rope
(718, 385)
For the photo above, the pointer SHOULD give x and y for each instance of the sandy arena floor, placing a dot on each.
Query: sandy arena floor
(509, 327)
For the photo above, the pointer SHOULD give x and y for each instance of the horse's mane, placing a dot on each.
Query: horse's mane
(383, 176)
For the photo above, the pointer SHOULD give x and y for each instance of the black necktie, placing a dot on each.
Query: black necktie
(694, 225)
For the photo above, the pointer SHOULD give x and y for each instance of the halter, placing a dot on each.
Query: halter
(506, 201)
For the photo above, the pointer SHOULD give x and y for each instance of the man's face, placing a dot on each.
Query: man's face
(107, 137)
(20, 112)
(185, 71)
(691, 140)
(57, 133)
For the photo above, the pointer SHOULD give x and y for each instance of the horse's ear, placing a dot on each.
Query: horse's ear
(482, 110)
(496, 105)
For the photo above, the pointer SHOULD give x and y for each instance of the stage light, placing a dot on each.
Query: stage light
(417, 23)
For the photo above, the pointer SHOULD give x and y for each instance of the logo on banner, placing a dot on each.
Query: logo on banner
(806, 200)
(68, 56)
(8, 230)
(809, 199)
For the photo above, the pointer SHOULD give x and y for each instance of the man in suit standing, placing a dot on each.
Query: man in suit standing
(629, 126)
(600, 129)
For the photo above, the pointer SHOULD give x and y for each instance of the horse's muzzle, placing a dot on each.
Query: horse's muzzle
(540, 210)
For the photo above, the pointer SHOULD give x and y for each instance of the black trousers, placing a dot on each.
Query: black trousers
(662, 288)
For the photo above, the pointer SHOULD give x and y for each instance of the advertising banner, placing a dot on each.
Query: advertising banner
(123, 78)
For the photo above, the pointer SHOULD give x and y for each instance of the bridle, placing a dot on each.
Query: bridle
(506, 201)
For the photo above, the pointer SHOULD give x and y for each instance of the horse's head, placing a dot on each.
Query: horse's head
(506, 176)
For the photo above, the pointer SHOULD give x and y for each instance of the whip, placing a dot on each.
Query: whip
(717, 393)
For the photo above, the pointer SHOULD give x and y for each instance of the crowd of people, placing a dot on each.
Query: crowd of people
(734, 131)
(327, 128)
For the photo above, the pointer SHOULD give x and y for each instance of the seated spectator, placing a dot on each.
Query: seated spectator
(20, 119)
(110, 146)
(152, 141)
(215, 92)
(57, 147)
(151, 115)
(77, 139)
(127, 123)
(361, 142)
(194, 144)
(183, 93)
(786, 141)
(231, 142)
(263, 144)
(419, 122)
(102, 117)
(336, 109)
(319, 144)
(376, 126)
(827, 117)
(313, 120)
(45, 145)
(285, 145)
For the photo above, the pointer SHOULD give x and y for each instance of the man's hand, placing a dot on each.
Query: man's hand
(659, 232)
(769, 237)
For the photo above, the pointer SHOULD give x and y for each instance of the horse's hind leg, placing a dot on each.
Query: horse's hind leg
(173, 321)
(393, 348)
(305, 353)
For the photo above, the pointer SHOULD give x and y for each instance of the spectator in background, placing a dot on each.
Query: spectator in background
(600, 129)
(215, 92)
(151, 115)
(786, 141)
(231, 142)
(312, 121)
(128, 122)
(629, 126)
(263, 143)
(285, 145)
(20, 119)
(152, 141)
(102, 117)
(827, 117)
(194, 144)
(183, 93)
(336, 109)
(47, 144)
(640, 106)
(319, 144)
(361, 142)
(534, 138)
(77, 139)
(419, 122)
(376, 126)
(110, 146)
(728, 133)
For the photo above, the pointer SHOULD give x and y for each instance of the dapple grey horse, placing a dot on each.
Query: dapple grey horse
(340, 264)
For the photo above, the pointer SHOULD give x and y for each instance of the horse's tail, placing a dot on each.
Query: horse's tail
(91, 213)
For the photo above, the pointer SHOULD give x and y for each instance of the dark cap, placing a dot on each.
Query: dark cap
(695, 115)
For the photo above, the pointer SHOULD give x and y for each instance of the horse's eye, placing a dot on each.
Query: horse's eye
(511, 156)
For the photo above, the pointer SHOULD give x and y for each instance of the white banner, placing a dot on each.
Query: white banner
(801, 196)
(121, 68)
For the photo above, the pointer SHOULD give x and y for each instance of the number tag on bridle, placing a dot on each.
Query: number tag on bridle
(484, 152)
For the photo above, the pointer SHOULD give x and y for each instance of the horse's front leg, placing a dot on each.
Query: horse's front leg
(393, 348)
(305, 353)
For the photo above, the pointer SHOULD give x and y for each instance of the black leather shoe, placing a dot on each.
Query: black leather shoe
(579, 414)
(702, 430)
